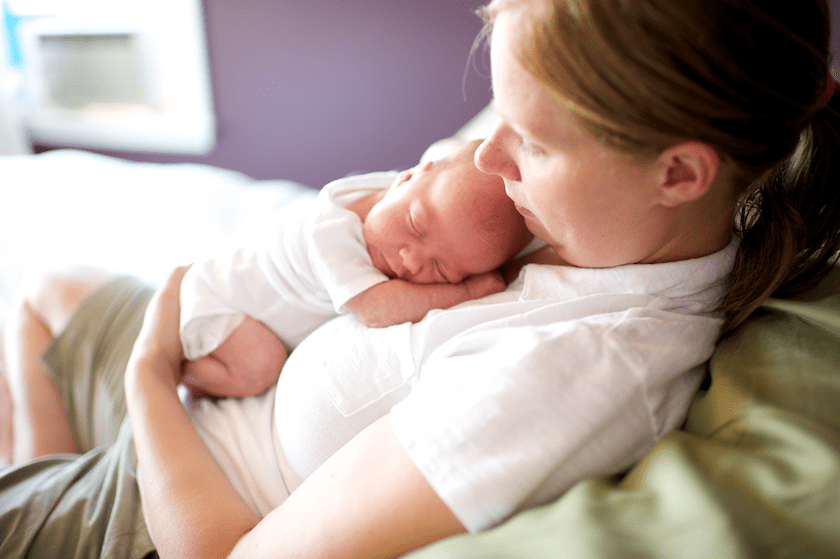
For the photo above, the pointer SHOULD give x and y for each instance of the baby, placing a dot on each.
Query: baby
(386, 247)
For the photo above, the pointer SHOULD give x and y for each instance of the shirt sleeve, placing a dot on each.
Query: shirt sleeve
(506, 418)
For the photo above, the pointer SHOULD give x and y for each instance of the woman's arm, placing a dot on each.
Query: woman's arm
(183, 489)
(367, 501)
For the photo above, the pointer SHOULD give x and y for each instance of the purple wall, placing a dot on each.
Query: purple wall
(311, 90)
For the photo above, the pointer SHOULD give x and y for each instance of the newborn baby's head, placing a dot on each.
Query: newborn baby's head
(443, 221)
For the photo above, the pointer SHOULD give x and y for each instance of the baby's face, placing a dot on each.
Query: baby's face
(428, 228)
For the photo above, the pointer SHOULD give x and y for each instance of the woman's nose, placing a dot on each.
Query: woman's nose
(492, 155)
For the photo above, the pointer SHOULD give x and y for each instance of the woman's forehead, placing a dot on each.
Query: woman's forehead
(514, 89)
(535, 7)
(522, 101)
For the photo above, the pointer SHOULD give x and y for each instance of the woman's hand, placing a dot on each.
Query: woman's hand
(159, 340)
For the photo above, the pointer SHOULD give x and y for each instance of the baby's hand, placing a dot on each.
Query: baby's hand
(485, 284)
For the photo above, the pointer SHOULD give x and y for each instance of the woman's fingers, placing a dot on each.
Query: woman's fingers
(159, 338)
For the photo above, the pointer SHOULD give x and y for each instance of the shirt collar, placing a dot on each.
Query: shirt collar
(703, 277)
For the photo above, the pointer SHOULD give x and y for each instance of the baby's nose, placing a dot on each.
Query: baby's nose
(412, 260)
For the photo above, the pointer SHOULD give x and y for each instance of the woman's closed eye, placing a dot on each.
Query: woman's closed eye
(530, 148)
(526, 145)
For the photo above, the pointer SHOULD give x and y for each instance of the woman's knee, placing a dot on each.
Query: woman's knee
(54, 296)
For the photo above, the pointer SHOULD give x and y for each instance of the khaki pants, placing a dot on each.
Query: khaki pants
(84, 506)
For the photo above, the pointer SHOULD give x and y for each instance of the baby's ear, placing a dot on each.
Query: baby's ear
(406, 175)
(686, 172)
(402, 177)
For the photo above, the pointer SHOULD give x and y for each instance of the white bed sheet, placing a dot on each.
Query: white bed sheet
(71, 207)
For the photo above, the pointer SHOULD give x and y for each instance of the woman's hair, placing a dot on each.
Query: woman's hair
(748, 77)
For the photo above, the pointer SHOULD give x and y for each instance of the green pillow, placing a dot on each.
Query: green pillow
(755, 472)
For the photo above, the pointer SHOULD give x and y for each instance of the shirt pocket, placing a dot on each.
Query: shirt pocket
(367, 367)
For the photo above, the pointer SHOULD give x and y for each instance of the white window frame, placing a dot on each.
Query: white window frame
(177, 115)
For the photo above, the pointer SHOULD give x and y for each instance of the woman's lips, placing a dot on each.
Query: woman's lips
(531, 221)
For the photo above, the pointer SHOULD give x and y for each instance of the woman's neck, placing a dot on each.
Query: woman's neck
(545, 255)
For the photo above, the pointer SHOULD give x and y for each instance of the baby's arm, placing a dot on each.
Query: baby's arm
(396, 301)
(245, 364)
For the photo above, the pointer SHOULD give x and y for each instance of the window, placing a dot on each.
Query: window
(116, 74)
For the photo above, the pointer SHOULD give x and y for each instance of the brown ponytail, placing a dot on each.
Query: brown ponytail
(789, 223)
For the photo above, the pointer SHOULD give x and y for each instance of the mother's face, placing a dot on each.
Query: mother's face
(592, 205)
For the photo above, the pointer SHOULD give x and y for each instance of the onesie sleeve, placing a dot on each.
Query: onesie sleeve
(338, 251)
(343, 262)
(216, 295)
(510, 417)
(297, 278)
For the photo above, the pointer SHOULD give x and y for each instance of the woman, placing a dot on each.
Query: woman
(631, 165)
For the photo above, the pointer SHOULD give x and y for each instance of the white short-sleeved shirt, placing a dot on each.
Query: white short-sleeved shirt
(505, 402)
(298, 280)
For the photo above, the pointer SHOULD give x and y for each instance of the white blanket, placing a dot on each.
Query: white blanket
(70, 207)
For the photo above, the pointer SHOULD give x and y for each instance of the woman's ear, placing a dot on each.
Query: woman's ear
(688, 171)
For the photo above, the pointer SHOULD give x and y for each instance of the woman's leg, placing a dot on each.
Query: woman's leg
(71, 335)
(41, 311)
(75, 506)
